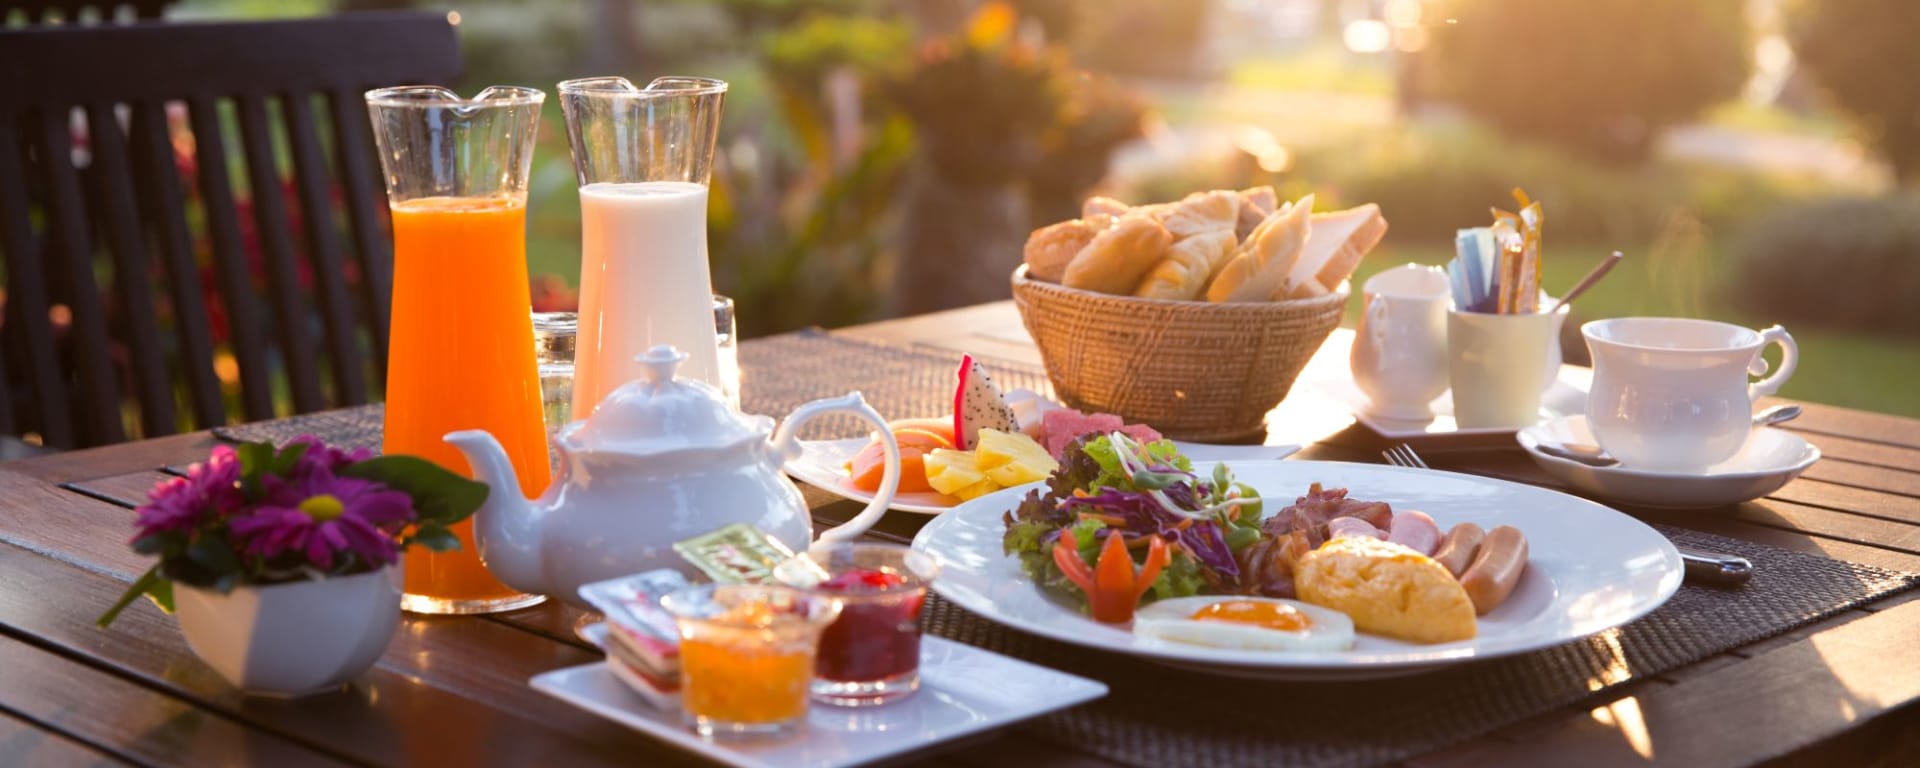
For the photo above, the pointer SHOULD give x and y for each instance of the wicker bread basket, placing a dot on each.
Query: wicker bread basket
(1190, 369)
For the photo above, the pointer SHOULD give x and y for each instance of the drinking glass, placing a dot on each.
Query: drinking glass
(746, 656)
(727, 340)
(553, 343)
(642, 157)
(871, 654)
(456, 175)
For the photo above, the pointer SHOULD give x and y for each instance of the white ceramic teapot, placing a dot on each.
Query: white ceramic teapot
(660, 460)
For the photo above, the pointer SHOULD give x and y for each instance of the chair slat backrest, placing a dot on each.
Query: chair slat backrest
(193, 219)
(75, 11)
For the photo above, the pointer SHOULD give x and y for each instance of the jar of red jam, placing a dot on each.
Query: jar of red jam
(871, 653)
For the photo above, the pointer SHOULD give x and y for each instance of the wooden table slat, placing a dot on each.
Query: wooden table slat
(29, 745)
(1772, 705)
(134, 722)
(437, 672)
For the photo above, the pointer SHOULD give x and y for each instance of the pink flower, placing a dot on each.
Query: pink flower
(211, 488)
(318, 514)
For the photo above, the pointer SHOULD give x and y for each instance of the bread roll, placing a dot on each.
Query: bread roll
(1260, 267)
(1202, 212)
(1183, 274)
(1387, 589)
(1118, 257)
(1256, 204)
(1095, 206)
(1050, 248)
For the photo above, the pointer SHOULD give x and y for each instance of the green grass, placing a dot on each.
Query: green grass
(1842, 368)
(1328, 67)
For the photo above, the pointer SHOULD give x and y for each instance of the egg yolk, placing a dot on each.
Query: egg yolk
(1280, 616)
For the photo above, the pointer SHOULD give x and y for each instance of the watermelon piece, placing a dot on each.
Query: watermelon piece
(1067, 425)
(1141, 433)
(978, 404)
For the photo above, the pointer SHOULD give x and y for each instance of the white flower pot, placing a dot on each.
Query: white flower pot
(294, 639)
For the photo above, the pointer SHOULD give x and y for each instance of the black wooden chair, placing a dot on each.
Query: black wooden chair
(79, 11)
(146, 291)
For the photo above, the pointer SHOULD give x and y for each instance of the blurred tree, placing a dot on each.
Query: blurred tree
(1601, 77)
(1862, 53)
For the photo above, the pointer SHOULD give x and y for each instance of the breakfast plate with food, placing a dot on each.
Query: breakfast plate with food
(1011, 439)
(1295, 569)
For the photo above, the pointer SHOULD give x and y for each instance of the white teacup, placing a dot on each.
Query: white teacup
(1672, 394)
(1500, 365)
(1399, 356)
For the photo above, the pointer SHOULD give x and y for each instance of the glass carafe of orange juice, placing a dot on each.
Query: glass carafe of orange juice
(459, 355)
(642, 157)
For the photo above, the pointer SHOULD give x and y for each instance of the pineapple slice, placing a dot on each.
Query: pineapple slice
(982, 488)
(950, 471)
(1012, 458)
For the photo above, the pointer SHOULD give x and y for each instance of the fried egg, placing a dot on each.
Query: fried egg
(1245, 623)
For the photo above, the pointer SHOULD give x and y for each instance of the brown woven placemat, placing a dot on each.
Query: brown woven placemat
(1164, 716)
(778, 374)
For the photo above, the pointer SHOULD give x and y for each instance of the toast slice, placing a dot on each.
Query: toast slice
(1340, 239)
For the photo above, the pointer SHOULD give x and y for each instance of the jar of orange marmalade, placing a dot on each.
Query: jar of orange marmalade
(746, 656)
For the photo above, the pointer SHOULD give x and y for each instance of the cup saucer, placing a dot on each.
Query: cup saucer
(1770, 459)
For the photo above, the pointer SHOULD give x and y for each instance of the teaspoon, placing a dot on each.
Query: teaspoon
(1593, 455)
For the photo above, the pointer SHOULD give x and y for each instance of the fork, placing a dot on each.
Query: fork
(1713, 567)
(1402, 455)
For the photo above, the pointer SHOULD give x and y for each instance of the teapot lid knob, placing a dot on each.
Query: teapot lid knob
(660, 362)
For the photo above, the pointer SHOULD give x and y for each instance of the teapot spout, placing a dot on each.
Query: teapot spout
(507, 527)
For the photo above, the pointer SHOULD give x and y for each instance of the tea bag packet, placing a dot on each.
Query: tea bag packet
(1471, 271)
(642, 641)
(1496, 269)
(735, 554)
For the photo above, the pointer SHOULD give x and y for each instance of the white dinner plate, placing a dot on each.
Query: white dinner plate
(1770, 459)
(963, 691)
(1590, 568)
(1567, 396)
(823, 464)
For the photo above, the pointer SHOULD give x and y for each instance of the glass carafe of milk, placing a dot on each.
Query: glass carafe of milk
(642, 156)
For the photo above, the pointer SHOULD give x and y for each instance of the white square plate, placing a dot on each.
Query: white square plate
(1567, 396)
(963, 691)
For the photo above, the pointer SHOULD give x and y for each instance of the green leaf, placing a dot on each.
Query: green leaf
(151, 584)
(213, 554)
(437, 539)
(1183, 576)
(1239, 536)
(439, 496)
(284, 461)
(255, 460)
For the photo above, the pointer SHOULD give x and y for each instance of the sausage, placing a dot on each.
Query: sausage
(1496, 568)
(1456, 550)
(1415, 530)
(1352, 526)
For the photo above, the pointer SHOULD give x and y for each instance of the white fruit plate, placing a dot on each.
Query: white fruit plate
(823, 464)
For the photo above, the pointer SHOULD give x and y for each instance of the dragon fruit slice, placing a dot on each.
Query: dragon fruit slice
(977, 405)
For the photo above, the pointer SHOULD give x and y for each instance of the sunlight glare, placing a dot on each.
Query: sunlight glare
(1368, 36)
(1625, 716)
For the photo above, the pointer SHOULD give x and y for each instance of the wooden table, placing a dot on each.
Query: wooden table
(453, 690)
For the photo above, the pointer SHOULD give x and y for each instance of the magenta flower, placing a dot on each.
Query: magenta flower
(321, 454)
(211, 488)
(321, 515)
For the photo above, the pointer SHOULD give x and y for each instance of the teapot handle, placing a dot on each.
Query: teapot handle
(787, 446)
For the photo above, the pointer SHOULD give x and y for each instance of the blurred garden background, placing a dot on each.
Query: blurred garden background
(1758, 161)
